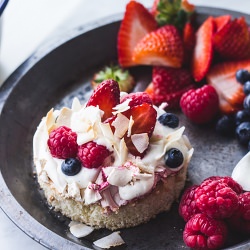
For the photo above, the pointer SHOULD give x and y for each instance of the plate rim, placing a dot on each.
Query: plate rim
(9, 205)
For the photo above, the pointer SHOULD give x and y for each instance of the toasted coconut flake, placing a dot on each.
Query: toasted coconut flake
(76, 105)
(80, 230)
(121, 125)
(120, 176)
(64, 118)
(50, 121)
(141, 141)
(122, 107)
(112, 240)
(131, 122)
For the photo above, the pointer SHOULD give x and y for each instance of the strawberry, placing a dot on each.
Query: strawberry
(168, 85)
(137, 22)
(106, 96)
(176, 12)
(200, 105)
(232, 41)
(221, 21)
(160, 47)
(222, 78)
(203, 51)
(144, 117)
(188, 42)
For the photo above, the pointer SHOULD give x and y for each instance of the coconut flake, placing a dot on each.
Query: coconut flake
(76, 105)
(120, 176)
(91, 196)
(131, 122)
(64, 117)
(121, 125)
(111, 240)
(80, 230)
(140, 141)
(124, 106)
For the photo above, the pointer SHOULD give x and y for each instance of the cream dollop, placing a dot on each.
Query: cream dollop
(241, 172)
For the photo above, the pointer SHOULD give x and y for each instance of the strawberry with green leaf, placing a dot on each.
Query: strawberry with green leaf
(125, 80)
(175, 12)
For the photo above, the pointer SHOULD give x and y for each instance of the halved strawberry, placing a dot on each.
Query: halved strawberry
(203, 51)
(221, 21)
(168, 85)
(160, 47)
(188, 42)
(106, 96)
(222, 78)
(137, 22)
(144, 117)
(232, 41)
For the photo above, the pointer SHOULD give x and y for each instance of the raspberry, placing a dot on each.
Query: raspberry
(92, 155)
(240, 220)
(62, 143)
(227, 180)
(200, 105)
(187, 207)
(203, 232)
(216, 199)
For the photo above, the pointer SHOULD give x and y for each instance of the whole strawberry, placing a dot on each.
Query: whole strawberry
(200, 105)
(240, 220)
(203, 232)
(216, 199)
(62, 143)
(187, 207)
(92, 155)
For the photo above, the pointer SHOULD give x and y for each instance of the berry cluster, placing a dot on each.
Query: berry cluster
(62, 144)
(238, 123)
(211, 209)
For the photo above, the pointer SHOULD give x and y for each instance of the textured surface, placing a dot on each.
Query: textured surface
(34, 88)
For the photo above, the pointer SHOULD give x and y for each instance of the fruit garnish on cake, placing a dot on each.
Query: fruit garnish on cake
(115, 161)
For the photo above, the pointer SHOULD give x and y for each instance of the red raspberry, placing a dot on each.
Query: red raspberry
(240, 220)
(216, 199)
(62, 143)
(227, 180)
(203, 232)
(92, 155)
(187, 207)
(200, 105)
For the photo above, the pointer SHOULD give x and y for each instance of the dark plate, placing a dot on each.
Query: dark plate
(59, 70)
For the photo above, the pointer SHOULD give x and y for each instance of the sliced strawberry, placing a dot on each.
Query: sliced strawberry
(221, 21)
(137, 22)
(203, 51)
(137, 98)
(188, 42)
(232, 41)
(161, 47)
(168, 85)
(144, 117)
(222, 78)
(106, 96)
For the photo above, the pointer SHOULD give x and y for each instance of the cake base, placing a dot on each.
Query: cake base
(130, 215)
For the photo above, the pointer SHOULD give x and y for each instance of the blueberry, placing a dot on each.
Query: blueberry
(174, 158)
(242, 116)
(243, 133)
(246, 87)
(169, 119)
(226, 125)
(242, 75)
(246, 103)
(71, 166)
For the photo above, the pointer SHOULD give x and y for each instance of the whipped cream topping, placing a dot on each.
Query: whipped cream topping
(241, 172)
(122, 177)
